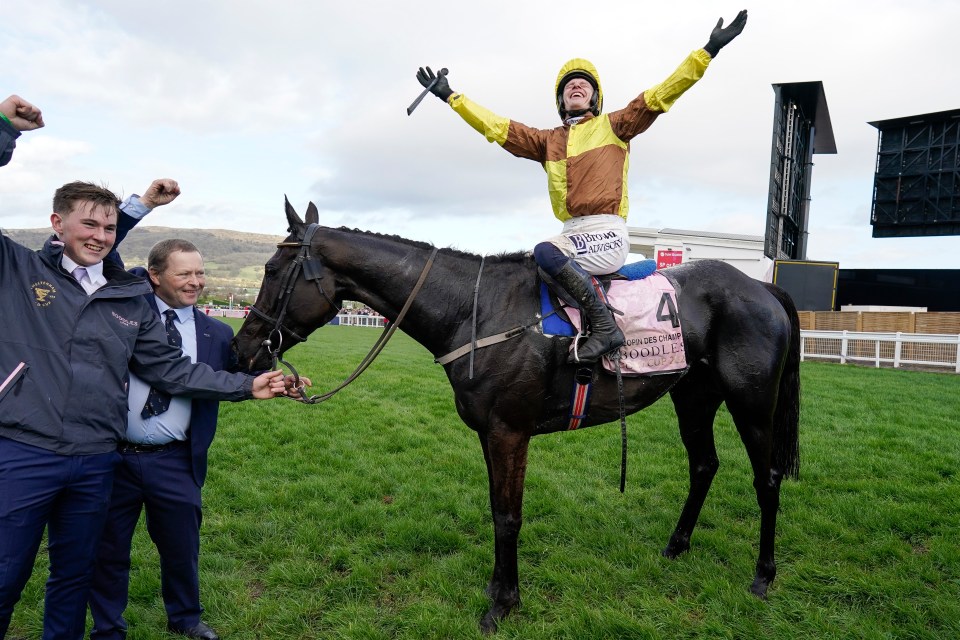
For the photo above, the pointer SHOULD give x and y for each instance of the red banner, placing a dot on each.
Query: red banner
(668, 258)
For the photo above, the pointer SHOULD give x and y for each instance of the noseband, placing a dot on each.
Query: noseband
(311, 269)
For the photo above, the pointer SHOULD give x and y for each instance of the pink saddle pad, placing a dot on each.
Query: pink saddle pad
(650, 324)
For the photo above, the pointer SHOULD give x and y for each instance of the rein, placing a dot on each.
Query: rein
(311, 269)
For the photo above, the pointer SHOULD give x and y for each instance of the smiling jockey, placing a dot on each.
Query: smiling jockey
(586, 160)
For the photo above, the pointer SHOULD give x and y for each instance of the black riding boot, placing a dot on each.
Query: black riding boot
(605, 335)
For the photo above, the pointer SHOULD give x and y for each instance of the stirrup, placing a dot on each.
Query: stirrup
(575, 353)
(576, 345)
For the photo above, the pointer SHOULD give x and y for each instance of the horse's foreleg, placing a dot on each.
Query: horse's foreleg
(696, 409)
(506, 456)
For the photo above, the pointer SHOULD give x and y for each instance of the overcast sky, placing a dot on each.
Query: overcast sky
(244, 102)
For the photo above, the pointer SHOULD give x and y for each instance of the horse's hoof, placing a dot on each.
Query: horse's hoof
(496, 613)
(759, 588)
(674, 550)
(488, 624)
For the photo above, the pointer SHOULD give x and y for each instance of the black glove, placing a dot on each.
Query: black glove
(441, 88)
(721, 37)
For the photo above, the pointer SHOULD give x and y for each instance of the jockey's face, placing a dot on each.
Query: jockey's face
(577, 94)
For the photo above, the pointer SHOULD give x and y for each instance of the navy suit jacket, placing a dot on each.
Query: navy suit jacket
(213, 348)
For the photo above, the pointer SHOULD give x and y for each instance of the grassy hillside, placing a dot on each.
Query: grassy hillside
(234, 260)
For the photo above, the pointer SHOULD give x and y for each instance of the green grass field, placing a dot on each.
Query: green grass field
(367, 517)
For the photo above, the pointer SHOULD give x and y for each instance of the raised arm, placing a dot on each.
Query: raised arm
(16, 115)
(517, 138)
(662, 96)
(161, 191)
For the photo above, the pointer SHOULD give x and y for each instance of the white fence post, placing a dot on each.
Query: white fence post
(896, 351)
(958, 354)
(843, 348)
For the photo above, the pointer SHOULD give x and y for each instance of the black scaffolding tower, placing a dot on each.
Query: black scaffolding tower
(801, 128)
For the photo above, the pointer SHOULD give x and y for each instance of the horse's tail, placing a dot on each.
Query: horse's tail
(786, 416)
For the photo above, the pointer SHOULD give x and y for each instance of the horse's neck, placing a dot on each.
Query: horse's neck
(382, 273)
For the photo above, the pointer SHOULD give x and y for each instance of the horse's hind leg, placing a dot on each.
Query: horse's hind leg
(755, 425)
(696, 405)
(505, 453)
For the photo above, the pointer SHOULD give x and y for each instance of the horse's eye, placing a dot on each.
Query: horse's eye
(270, 270)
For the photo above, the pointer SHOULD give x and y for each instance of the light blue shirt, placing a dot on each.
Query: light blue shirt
(134, 208)
(173, 423)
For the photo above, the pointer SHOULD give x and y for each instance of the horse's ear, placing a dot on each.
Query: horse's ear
(292, 218)
(313, 216)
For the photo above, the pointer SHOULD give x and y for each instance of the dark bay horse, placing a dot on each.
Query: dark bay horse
(742, 339)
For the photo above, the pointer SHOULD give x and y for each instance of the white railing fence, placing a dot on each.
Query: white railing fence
(936, 351)
(236, 312)
(345, 319)
(359, 320)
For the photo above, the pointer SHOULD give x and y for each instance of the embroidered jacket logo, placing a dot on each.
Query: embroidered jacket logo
(124, 321)
(44, 293)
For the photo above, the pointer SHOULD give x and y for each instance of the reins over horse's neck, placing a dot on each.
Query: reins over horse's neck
(380, 271)
(377, 348)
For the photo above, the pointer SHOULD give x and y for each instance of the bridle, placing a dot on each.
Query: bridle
(311, 268)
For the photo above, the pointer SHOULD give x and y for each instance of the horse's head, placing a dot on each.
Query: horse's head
(288, 308)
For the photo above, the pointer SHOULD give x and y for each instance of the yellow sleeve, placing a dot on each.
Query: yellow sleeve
(493, 127)
(662, 96)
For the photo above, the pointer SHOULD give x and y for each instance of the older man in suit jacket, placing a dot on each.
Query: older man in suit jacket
(164, 455)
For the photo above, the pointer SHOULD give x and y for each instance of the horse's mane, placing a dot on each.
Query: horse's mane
(515, 256)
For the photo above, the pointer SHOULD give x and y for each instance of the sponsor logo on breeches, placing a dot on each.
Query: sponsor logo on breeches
(587, 243)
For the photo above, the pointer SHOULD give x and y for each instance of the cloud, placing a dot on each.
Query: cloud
(248, 100)
(148, 68)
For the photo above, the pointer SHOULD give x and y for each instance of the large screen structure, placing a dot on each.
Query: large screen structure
(812, 285)
(916, 187)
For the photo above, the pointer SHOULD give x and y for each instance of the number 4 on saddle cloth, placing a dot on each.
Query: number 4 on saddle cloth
(645, 305)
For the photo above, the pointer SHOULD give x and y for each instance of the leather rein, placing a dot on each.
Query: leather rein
(311, 268)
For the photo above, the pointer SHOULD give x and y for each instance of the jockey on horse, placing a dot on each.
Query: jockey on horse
(586, 161)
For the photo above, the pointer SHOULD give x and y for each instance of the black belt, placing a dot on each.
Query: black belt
(137, 447)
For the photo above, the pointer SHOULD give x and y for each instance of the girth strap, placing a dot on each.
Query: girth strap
(580, 398)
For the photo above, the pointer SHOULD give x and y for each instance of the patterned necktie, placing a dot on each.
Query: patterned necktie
(158, 401)
(79, 273)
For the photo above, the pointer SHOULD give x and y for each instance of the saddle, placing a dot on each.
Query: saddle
(645, 308)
